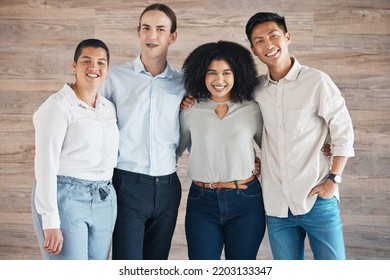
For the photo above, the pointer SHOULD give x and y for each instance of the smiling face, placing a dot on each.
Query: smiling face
(270, 44)
(91, 67)
(155, 34)
(219, 80)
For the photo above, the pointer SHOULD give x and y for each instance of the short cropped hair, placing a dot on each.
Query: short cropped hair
(239, 59)
(162, 8)
(262, 17)
(95, 43)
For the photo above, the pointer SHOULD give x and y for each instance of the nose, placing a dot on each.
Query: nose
(153, 33)
(219, 77)
(94, 65)
(269, 44)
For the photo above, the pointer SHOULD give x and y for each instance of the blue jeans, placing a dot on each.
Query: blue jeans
(322, 225)
(87, 214)
(147, 214)
(230, 218)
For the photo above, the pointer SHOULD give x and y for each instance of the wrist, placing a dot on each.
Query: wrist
(336, 178)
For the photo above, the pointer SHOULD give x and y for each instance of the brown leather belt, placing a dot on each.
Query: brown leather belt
(226, 185)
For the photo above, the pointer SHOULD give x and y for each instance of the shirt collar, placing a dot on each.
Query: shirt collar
(74, 101)
(292, 75)
(140, 68)
(70, 95)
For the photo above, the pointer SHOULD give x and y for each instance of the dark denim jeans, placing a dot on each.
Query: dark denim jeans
(230, 218)
(322, 225)
(147, 214)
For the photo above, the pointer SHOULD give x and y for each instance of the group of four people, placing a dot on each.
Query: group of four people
(108, 169)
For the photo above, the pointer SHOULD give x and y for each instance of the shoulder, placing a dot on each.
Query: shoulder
(249, 105)
(248, 108)
(313, 73)
(109, 107)
(55, 104)
(60, 99)
(196, 108)
(175, 82)
(263, 79)
(176, 74)
(121, 67)
(107, 103)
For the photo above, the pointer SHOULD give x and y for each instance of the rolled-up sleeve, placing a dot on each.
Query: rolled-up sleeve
(334, 111)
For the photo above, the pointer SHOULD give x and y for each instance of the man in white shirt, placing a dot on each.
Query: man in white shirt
(147, 93)
(301, 108)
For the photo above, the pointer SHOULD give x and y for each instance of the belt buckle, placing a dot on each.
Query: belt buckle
(211, 186)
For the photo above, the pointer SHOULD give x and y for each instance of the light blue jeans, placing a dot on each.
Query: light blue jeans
(88, 212)
(322, 225)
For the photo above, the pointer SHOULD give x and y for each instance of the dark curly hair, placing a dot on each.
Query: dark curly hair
(238, 57)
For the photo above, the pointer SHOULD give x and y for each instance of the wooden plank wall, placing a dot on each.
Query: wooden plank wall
(348, 39)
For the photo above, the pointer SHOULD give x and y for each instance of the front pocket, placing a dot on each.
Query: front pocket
(253, 190)
(195, 193)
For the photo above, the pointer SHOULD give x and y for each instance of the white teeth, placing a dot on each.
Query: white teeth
(93, 75)
(272, 53)
(219, 88)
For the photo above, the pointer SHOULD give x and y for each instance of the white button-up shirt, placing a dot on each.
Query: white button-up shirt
(71, 139)
(301, 112)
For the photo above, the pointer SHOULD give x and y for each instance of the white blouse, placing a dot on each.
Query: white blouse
(71, 139)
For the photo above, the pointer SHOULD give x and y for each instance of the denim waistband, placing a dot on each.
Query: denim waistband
(68, 179)
(101, 187)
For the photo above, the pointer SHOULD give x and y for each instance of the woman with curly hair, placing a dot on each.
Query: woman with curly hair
(225, 205)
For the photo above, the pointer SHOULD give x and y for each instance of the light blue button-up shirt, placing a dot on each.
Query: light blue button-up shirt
(148, 116)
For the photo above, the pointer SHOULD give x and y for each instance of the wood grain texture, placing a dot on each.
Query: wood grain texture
(349, 40)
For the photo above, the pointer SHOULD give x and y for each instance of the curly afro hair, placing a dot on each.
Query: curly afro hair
(238, 57)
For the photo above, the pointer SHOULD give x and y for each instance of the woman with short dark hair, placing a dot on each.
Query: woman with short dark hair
(76, 149)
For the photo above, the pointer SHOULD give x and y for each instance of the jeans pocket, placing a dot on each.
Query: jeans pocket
(253, 190)
(195, 193)
(325, 207)
(104, 192)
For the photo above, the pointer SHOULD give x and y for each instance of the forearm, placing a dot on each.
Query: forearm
(338, 165)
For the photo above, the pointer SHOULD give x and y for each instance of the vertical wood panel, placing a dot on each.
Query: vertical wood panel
(349, 40)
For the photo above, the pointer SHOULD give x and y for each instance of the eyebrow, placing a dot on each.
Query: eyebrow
(225, 70)
(86, 56)
(271, 31)
(158, 26)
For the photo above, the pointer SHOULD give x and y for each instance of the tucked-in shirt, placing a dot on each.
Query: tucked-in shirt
(300, 112)
(220, 150)
(148, 116)
(71, 139)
